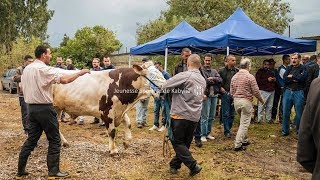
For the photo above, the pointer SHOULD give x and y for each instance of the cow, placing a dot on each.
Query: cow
(107, 95)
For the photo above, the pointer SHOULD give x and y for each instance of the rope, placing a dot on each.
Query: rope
(166, 149)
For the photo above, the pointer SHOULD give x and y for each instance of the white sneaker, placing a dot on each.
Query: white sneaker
(81, 120)
(162, 128)
(203, 139)
(153, 128)
(211, 137)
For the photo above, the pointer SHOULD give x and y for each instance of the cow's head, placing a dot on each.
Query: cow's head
(139, 70)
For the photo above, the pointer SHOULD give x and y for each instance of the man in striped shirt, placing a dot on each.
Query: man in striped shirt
(243, 87)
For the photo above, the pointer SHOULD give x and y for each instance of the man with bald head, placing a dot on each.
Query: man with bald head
(187, 89)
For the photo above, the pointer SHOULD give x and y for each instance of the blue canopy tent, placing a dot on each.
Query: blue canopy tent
(161, 45)
(239, 35)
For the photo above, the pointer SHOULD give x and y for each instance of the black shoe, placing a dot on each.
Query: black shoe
(246, 143)
(58, 175)
(95, 122)
(195, 170)
(198, 143)
(173, 170)
(241, 148)
(21, 175)
(285, 134)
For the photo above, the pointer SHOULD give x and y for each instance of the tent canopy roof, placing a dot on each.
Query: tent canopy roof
(157, 46)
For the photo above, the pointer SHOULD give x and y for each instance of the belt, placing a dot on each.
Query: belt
(291, 89)
(49, 104)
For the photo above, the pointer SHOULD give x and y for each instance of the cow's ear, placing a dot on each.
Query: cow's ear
(138, 69)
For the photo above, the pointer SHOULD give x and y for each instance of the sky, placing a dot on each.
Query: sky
(122, 16)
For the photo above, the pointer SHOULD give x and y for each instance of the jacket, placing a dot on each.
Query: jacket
(212, 85)
(262, 76)
(187, 89)
(308, 151)
(226, 74)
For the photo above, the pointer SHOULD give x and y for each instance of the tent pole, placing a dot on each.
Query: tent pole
(129, 60)
(228, 50)
(166, 59)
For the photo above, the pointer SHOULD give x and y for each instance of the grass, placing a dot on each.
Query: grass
(266, 158)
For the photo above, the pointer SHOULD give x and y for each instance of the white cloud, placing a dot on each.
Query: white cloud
(121, 17)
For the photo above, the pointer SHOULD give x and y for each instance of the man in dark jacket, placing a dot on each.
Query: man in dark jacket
(280, 82)
(266, 80)
(294, 80)
(313, 72)
(182, 65)
(308, 154)
(24, 107)
(227, 108)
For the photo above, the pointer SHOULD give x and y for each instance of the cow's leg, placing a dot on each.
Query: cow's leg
(73, 119)
(63, 140)
(127, 130)
(59, 113)
(112, 134)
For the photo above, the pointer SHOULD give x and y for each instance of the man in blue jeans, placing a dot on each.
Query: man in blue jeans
(227, 108)
(161, 104)
(208, 112)
(281, 71)
(294, 79)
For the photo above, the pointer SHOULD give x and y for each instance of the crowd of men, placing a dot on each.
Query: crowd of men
(190, 115)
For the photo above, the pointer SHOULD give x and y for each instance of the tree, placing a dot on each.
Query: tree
(23, 19)
(65, 39)
(204, 14)
(89, 42)
(20, 48)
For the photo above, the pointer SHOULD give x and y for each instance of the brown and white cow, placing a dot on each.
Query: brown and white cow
(107, 95)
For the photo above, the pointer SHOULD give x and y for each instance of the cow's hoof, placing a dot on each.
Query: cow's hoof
(72, 122)
(64, 121)
(129, 137)
(66, 144)
(126, 145)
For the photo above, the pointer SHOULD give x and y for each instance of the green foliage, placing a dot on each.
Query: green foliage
(65, 39)
(20, 48)
(204, 14)
(23, 19)
(89, 42)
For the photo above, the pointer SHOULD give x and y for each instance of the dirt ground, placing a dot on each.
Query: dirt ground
(87, 158)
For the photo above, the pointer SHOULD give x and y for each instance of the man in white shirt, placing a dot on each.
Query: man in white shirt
(37, 81)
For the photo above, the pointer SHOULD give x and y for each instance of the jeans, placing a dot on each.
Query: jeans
(24, 114)
(296, 99)
(281, 106)
(208, 113)
(227, 110)
(277, 95)
(141, 111)
(161, 104)
(182, 132)
(268, 98)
